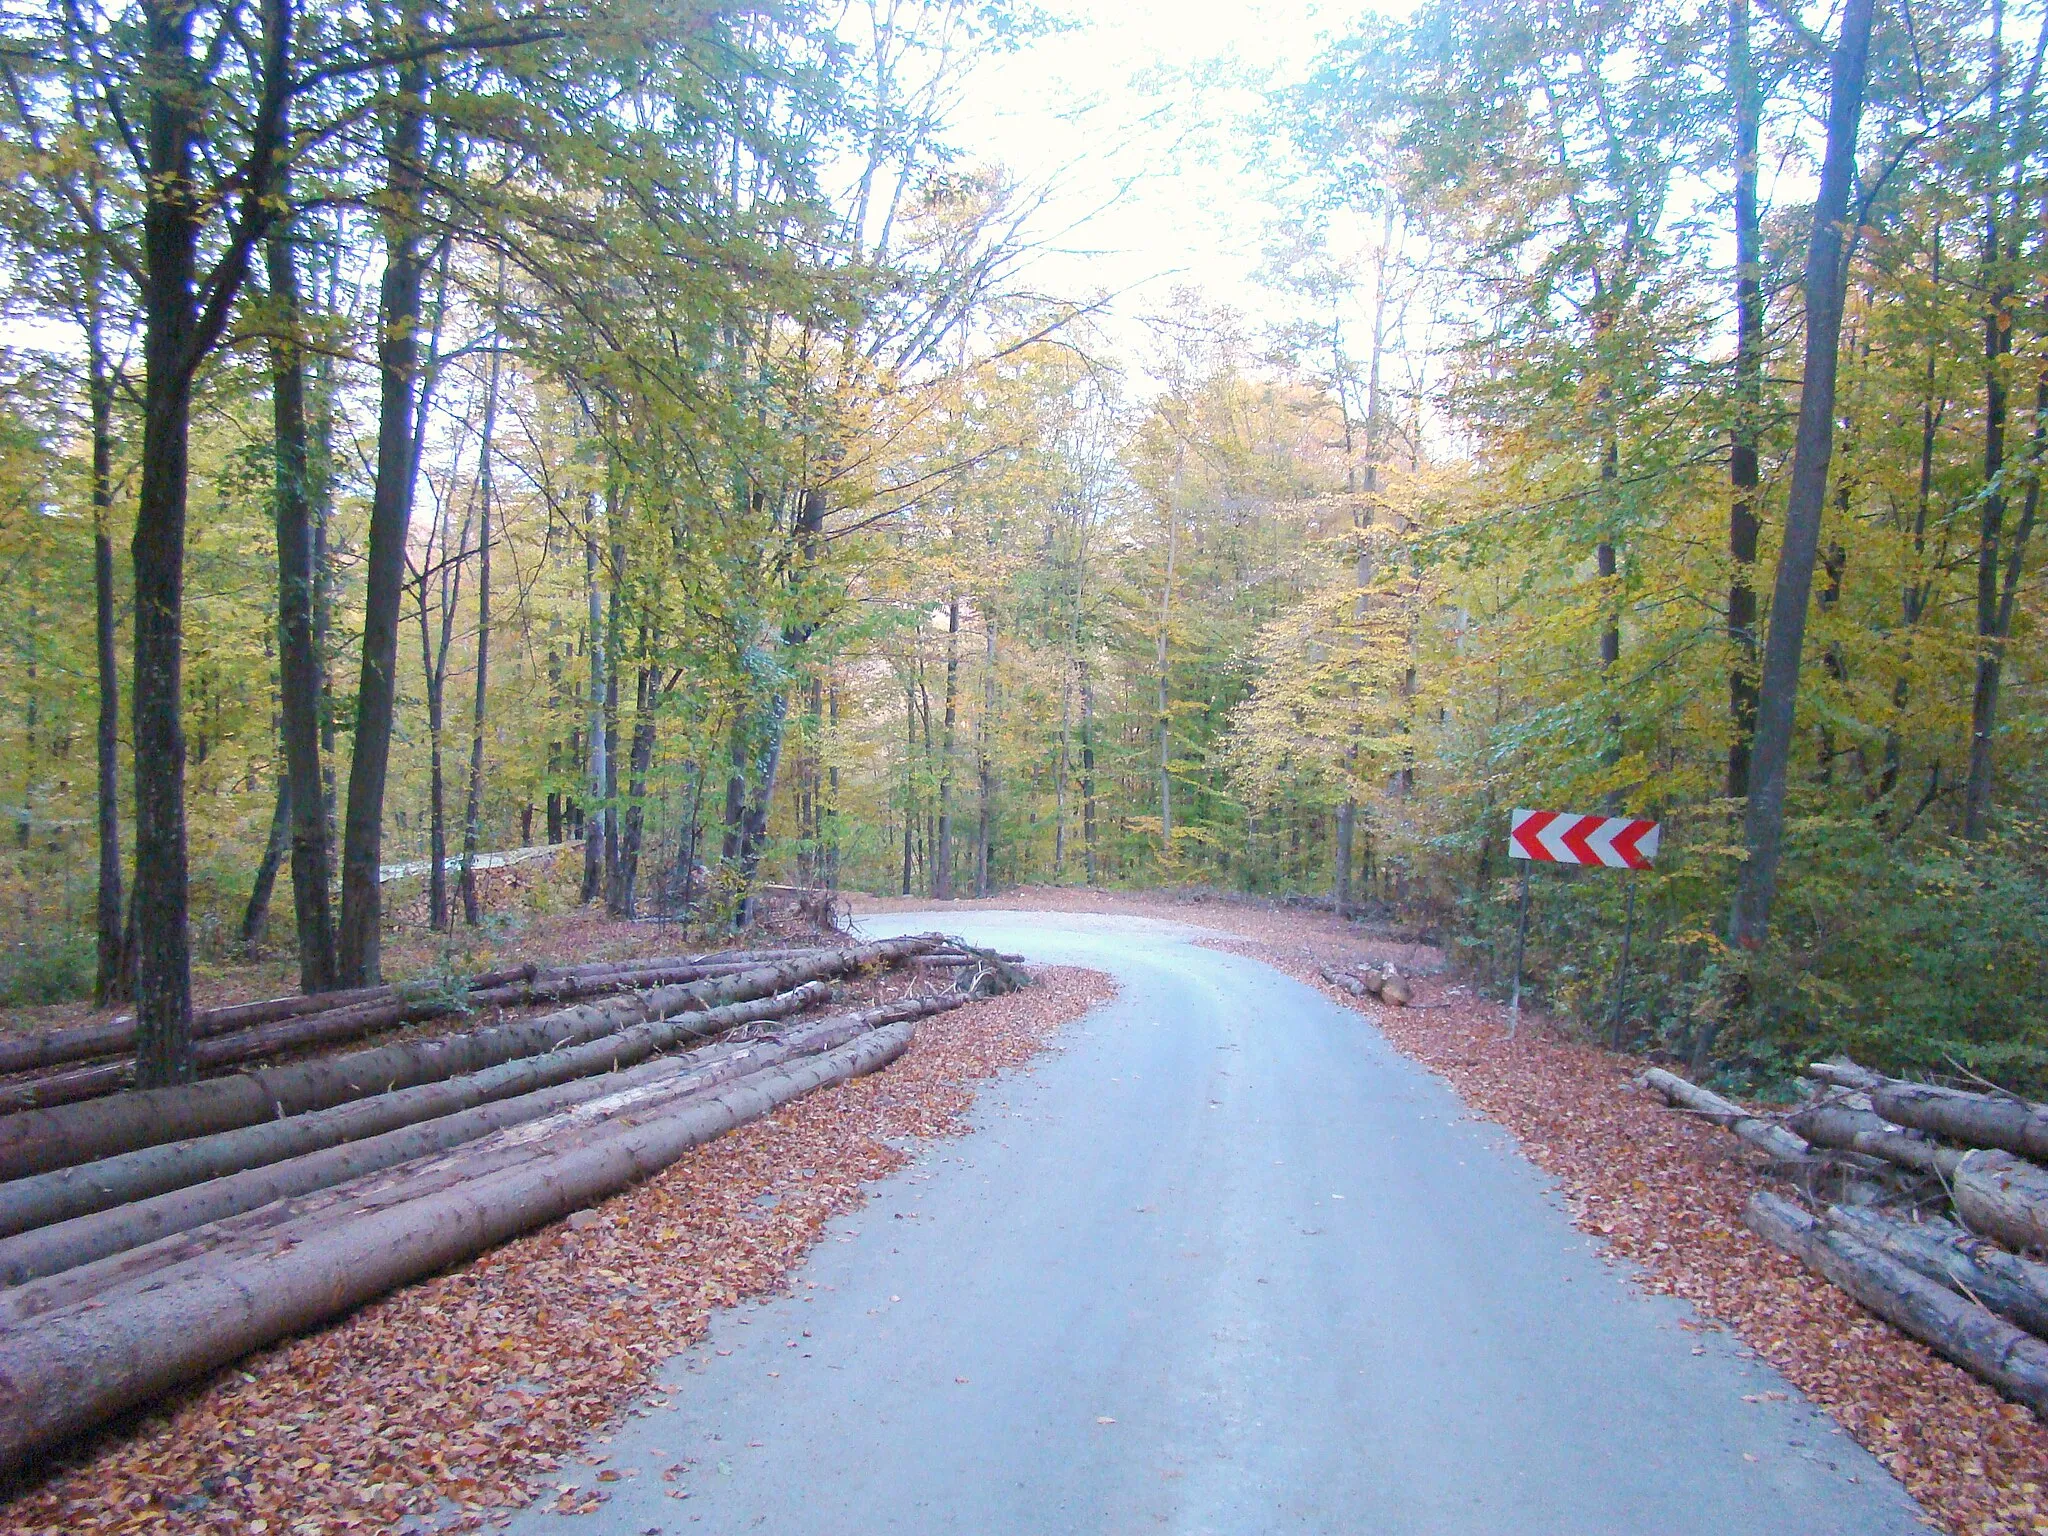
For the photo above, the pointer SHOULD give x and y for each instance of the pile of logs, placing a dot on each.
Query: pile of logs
(1384, 983)
(147, 1238)
(1926, 1205)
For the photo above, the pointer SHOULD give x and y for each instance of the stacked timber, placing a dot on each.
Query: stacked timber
(1947, 1218)
(147, 1238)
(1384, 983)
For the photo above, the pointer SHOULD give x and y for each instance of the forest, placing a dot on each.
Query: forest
(435, 430)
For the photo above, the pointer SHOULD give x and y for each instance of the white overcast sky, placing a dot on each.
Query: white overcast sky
(1137, 91)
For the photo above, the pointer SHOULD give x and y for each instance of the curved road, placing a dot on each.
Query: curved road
(1223, 1263)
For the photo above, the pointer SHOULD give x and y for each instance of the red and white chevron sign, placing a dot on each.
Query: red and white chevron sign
(1559, 837)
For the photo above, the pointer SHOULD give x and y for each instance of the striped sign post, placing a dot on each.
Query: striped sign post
(1560, 837)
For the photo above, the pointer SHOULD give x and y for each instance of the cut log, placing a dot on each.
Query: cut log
(547, 1120)
(35, 1141)
(1981, 1342)
(2003, 1196)
(2015, 1288)
(1861, 1130)
(1343, 981)
(1846, 1074)
(340, 1025)
(1975, 1119)
(116, 1225)
(1396, 990)
(76, 1368)
(54, 1047)
(1759, 1133)
(66, 1193)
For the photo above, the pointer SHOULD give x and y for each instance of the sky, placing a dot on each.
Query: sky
(1133, 117)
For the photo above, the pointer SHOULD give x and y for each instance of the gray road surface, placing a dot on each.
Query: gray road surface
(1225, 1263)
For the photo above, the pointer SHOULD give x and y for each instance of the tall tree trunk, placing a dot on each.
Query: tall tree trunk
(1165, 703)
(593, 814)
(163, 1000)
(1743, 477)
(1087, 774)
(985, 829)
(1998, 320)
(909, 781)
(256, 914)
(473, 806)
(299, 661)
(1993, 635)
(359, 941)
(647, 701)
(109, 973)
(1813, 448)
(942, 871)
(614, 646)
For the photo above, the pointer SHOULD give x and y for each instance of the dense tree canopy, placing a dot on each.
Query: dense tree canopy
(431, 430)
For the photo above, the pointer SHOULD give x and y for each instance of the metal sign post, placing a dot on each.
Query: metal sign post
(1628, 932)
(1521, 938)
(1559, 837)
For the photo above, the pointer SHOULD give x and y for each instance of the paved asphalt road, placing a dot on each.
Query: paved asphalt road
(1224, 1263)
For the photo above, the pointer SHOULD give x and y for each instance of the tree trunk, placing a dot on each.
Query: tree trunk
(1778, 693)
(73, 1370)
(1860, 1130)
(170, 250)
(647, 702)
(1743, 476)
(1347, 822)
(593, 813)
(300, 665)
(985, 828)
(1993, 633)
(109, 971)
(359, 941)
(151, 1194)
(256, 914)
(2016, 1289)
(909, 782)
(1088, 774)
(942, 858)
(473, 804)
(1165, 704)
(2003, 1196)
(1975, 1119)
(1708, 1105)
(36, 1141)
(1966, 1333)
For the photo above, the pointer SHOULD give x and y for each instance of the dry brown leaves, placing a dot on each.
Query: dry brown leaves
(457, 1394)
(1666, 1191)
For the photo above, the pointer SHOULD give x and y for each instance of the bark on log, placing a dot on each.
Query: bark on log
(65, 1193)
(54, 1047)
(1861, 1130)
(1976, 1119)
(75, 1369)
(35, 1141)
(1846, 1074)
(2013, 1361)
(121, 1246)
(1761, 1134)
(2003, 1196)
(114, 1226)
(339, 1025)
(2015, 1288)
(1343, 981)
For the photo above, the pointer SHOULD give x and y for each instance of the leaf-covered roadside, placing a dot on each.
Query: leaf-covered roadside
(1665, 1191)
(458, 1393)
